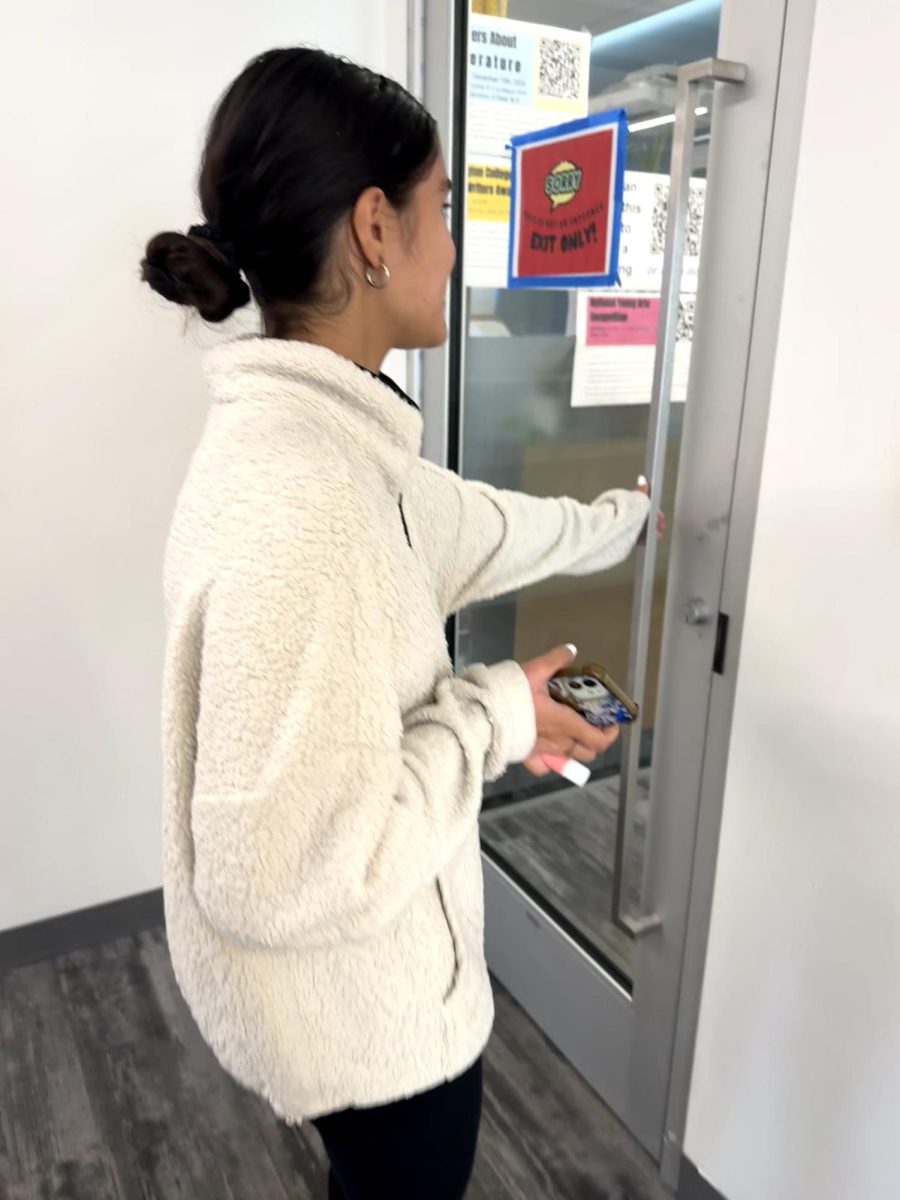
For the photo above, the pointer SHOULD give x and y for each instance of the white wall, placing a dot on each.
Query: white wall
(102, 111)
(796, 1091)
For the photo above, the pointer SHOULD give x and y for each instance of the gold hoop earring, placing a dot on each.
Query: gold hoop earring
(385, 277)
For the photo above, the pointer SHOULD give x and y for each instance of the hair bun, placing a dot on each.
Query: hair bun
(192, 272)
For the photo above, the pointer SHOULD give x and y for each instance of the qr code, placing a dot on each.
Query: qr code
(560, 73)
(694, 227)
(684, 326)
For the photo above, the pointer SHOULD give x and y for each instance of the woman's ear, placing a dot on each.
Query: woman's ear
(368, 224)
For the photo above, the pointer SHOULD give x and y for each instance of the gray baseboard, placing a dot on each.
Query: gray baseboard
(693, 1186)
(73, 931)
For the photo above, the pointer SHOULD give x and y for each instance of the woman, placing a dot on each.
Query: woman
(324, 765)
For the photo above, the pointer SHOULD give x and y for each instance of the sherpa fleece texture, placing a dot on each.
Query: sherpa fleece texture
(324, 766)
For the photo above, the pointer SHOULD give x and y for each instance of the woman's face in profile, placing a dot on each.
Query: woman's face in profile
(421, 262)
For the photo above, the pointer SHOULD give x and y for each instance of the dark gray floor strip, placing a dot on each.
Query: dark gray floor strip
(87, 927)
(693, 1186)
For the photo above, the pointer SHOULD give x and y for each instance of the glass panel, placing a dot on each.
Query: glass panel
(519, 429)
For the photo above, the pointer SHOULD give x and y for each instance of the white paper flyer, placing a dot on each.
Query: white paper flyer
(521, 77)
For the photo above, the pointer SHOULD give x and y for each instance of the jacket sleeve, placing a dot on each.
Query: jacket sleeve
(319, 807)
(490, 542)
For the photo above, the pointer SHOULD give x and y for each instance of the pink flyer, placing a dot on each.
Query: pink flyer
(618, 320)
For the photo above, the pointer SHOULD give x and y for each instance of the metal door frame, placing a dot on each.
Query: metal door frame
(790, 102)
(642, 1063)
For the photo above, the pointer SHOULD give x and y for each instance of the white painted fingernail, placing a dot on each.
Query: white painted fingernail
(576, 773)
(573, 650)
(642, 480)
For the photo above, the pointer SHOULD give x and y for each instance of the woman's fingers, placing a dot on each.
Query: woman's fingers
(582, 753)
(539, 671)
(578, 740)
(536, 765)
(560, 729)
(608, 735)
(644, 486)
(564, 747)
(581, 732)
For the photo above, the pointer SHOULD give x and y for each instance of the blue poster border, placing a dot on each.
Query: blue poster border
(614, 116)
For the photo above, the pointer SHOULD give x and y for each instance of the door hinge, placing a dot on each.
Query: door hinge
(721, 644)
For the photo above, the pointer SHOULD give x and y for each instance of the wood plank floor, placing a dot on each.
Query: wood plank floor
(108, 1092)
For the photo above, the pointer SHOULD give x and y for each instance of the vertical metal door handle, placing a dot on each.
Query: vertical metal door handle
(690, 76)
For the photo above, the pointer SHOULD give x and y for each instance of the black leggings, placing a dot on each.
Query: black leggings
(417, 1149)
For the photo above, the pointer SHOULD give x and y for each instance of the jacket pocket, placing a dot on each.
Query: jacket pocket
(454, 941)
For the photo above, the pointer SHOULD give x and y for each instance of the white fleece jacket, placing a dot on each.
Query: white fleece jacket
(324, 766)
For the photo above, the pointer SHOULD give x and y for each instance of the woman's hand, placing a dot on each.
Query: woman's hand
(644, 486)
(560, 730)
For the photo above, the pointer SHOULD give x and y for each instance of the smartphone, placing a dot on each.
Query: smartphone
(595, 695)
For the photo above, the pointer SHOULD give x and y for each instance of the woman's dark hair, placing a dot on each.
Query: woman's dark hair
(292, 144)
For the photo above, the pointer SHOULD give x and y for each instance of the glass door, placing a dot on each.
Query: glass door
(558, 392)
(546, 412)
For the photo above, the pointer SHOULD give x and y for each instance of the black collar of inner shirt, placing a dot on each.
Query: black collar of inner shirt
(388, 382)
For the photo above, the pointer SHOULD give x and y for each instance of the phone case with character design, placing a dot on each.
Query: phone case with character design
(594, 695)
